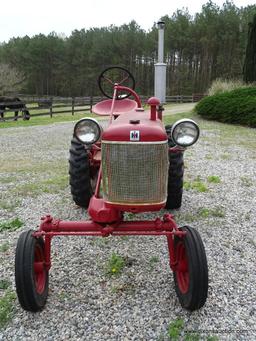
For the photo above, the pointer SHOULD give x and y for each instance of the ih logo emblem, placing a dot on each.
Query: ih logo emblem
(134, 135)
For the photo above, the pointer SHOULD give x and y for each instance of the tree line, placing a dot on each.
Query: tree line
(198, 49)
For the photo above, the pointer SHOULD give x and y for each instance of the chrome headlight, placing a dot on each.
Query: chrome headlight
(87, 131)
(185, 132)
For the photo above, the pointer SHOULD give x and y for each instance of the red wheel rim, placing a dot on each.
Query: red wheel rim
(39, 269)
(182, 271)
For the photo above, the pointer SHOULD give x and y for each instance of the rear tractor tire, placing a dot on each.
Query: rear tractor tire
(175, 180)
(175, 175)
(80, 180)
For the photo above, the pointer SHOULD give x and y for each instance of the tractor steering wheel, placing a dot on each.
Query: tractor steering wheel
(115, 75)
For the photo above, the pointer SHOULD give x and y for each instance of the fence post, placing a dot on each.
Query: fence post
(73, 106)
(51, 99)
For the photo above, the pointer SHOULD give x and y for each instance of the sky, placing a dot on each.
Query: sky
(31, 17)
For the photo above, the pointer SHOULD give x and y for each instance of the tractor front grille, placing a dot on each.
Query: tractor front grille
(134, 172)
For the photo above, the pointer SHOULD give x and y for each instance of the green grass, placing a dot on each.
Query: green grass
(175, 117)
(4, 247)
(99, 241)
(52, 185)
(28, 166)
(186, 216)
(9, 206)
(153, 261)
(225, 157)
(115, 265)
(192, 337)
(213, 179)
(175, 328)
(247, 182)
(204, 212)
(45, 120)
(217, 212)
(196, 185)
(11, 225)
(6, 307)
(66, 117)
(4, 284)
(8, 179)
(124, 238)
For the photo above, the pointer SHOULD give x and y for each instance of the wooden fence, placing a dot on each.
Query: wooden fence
(61, 105)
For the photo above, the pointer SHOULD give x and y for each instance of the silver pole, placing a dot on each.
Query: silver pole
(161, 44)
(160, 66)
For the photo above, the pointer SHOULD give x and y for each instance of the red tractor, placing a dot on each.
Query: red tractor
(133, 165)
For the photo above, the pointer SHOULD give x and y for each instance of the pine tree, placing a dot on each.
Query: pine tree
(249, 70)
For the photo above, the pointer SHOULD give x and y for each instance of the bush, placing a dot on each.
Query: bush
(237, 106)
(223, 85)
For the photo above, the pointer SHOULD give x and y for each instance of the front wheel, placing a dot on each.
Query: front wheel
(191, 270)
(31, 275)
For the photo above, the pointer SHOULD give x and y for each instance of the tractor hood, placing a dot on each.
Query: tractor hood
(135, 127)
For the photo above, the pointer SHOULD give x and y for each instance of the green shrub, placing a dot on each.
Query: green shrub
(237, 106)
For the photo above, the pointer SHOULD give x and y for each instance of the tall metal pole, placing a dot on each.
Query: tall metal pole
(160, 66)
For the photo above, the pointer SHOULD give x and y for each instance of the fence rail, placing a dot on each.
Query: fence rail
(51, 106)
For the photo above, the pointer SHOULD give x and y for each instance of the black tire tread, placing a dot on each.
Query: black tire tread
(79, 174)
(175, 180)
(28, 297)
(198, 269)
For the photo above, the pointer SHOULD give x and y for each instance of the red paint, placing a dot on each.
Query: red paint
(166, 224)
(106, 218)
(97, 189)
(150, 131)
(132, 92)
(39, 269)
(50, 227)
(136, 209)
(100, 213)
(182, 270)
(103, 108)
(153, 102)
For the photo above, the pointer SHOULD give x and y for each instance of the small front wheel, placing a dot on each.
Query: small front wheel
(191, 271)
(31, 275)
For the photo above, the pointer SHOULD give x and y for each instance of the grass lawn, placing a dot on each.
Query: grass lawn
(45, 120)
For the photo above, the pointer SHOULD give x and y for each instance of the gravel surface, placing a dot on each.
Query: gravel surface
(86, 304)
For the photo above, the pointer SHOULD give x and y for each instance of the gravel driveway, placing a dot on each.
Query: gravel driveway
(86, 304)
